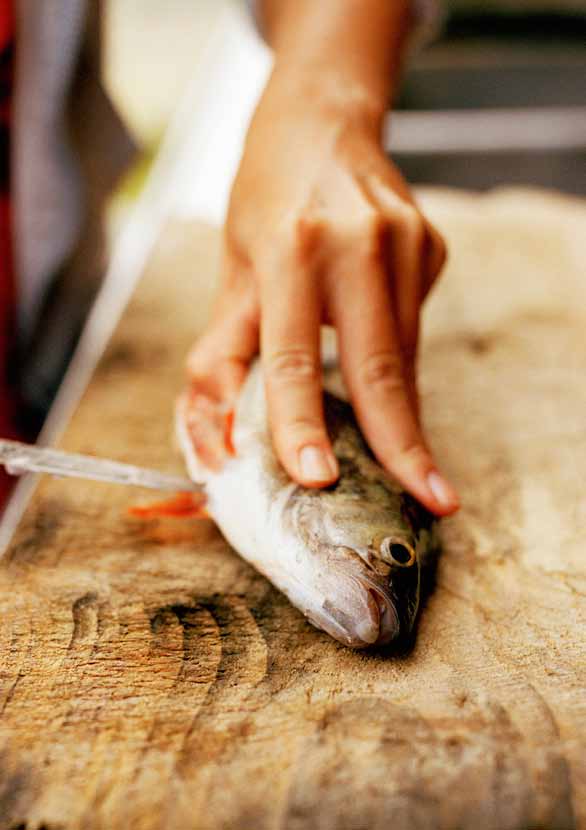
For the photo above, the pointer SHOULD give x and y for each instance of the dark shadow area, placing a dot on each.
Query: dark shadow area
(404, 645)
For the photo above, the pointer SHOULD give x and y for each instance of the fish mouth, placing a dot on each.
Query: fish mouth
(389, 626)
(375, 624)
(391, 618)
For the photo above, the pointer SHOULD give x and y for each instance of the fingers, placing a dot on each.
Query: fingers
(406, 255)
(372, 363)
(435, 256)
(217, 366)
(415, 257)
(290, 346)
(407, 239)
(218, 362)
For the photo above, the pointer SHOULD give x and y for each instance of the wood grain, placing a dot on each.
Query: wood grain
(149, 678)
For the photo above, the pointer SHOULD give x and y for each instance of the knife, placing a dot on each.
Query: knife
(20, 458)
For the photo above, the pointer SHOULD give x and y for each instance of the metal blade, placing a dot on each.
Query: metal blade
(21, 458)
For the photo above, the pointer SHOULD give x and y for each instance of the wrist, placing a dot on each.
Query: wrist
(329, 91)
(353, 44)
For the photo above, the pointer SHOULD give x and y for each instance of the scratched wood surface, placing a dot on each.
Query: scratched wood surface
(149, 678)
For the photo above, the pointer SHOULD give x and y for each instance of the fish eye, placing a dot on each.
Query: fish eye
(396, 552)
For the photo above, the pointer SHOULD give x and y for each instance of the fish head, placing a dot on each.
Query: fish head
(368, 537)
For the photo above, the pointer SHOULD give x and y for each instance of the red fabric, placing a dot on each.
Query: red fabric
(7, 292)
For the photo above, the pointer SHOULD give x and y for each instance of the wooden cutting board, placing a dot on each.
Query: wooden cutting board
(149, 678)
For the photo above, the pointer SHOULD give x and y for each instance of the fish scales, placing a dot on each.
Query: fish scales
(347, 556)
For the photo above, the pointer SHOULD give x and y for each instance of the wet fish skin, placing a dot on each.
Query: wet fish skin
(365, 518)
(348, 556)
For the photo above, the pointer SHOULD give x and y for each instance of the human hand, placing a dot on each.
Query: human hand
(322, 229)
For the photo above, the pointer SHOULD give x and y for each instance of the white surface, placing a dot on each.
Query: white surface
(237, 66)
(150, 47)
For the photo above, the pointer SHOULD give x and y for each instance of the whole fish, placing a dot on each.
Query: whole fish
(347, 556)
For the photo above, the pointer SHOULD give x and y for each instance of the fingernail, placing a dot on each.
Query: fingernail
(317, 465)
(443, 492)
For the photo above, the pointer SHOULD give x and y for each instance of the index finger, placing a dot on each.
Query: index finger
(290, 350)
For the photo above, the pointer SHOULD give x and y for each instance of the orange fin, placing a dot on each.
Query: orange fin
(228, 427)
(209, 426)
(181, 506)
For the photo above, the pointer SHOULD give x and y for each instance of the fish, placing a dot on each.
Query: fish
(348, 556)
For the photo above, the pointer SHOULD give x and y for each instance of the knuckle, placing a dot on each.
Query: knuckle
(292, 365)
(382, 370)
(374, 224)
(412, 454)
(193, 370)
(230, 238)
(410, 216)
(439, 253)
(200, 377)
(247, 309)
(409, 229)
(411, 225)
(302, 424)
(301, 237)
(195, 362)
(435, 239)
(234, 247)
(372, 237)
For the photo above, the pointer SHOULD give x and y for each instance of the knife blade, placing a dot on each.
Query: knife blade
(20, 458)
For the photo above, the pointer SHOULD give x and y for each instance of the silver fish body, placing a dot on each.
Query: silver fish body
(348, 556)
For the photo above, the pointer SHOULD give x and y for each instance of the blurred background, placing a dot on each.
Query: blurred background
(498, 98)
